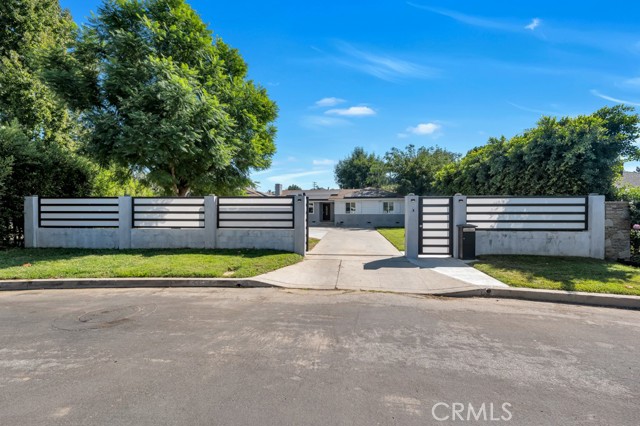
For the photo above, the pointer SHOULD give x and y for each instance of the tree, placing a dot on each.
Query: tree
(567, 156)
(413, 170)
(163, 97)
(294, 187)
(361, 170)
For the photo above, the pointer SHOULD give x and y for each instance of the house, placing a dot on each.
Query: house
(629, 179)
(356, 208)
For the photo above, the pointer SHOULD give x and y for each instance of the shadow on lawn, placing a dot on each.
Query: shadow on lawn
(19, 257)
(565, 270)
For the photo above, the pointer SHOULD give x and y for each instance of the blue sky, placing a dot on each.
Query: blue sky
(388, 73)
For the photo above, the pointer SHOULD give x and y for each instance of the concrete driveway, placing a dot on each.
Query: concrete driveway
(362, 259)
(286, 357)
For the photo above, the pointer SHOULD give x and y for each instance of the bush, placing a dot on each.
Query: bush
(35, 168)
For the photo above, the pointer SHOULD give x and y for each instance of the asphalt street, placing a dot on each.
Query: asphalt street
(292, 357)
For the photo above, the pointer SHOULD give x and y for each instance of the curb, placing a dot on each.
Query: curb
(81, 283)
(553, 296)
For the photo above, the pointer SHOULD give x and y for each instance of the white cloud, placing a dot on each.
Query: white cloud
(535, 23)
(633, 82)
(382, 66)
(609, 98)
(358, 111)
(329, 102)
(323, 162)
(535, 111)
(291, 176)
(424, 129)
(317, 121)
(402, 135)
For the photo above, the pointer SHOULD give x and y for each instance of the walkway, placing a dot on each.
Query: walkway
(362, 259)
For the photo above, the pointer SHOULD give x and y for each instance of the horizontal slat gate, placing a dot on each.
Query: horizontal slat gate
(528, 213)
(255, 212)
(436, 226)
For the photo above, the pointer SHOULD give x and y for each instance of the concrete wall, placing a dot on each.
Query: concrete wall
(616, 229)
(369, 220)
(127, 237)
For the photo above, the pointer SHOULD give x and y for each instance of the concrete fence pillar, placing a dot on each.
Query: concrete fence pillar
(459, 218)
(411, 226)
(596, 225)
(300, 224)
(31, 222)
(125, 222)
(210, 221)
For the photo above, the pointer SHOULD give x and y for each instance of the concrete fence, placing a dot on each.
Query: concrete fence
(549, 226)
(210, 222)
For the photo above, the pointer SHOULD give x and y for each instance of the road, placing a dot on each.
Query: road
(293, 357)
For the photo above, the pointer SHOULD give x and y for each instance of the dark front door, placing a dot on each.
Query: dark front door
(326, 212)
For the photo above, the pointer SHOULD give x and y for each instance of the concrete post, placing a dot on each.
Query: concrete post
(459, 218)
(411, 226)
(31, 222)
(210, 221)
(125, 222)
(596, 226)
(300, 224)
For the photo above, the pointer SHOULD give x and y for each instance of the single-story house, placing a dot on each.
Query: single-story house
(356, 208)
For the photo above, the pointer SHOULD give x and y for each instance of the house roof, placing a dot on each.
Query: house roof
(251, 192)
(629, 179)
(340, 194)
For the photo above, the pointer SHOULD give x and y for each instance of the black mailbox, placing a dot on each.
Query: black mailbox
(466, 241)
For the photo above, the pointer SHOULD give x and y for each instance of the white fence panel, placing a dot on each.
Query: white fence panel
(168, 212)
(78, 212)
(255, 212)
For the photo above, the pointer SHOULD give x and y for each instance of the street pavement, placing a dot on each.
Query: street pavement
(295, 357)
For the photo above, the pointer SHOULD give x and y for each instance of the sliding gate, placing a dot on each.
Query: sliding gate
(436, 226)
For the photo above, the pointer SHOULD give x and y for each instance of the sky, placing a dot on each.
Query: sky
(385, 73)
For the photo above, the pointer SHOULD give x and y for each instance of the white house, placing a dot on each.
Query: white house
(357, 208)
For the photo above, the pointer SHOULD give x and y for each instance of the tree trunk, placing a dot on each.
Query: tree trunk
(183, 191)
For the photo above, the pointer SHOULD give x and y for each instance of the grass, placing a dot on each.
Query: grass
(313, 242)
(80, 263)
(562, 273)
(394, 235)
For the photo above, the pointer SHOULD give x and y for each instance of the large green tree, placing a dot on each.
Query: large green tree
(361, 169)
(413, 170)
(162, 96)
(567, 156)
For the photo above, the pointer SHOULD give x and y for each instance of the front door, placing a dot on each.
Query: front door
(326, 212)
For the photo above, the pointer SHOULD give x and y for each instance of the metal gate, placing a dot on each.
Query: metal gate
(436, 226)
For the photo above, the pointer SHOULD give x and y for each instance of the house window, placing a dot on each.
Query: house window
(387, 206)
(311, 208)
(350, 207)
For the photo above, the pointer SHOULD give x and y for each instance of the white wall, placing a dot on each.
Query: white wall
(370, 206)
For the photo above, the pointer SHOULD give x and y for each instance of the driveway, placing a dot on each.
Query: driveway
(362, 259)
(288, 357)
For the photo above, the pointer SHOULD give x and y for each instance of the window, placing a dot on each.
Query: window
(387, 206)
(311, 208)
(350, 207)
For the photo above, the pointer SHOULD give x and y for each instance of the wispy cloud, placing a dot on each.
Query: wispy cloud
(323, 162)
(290, 176)
(475, 21)
(633, 82)
(329, 102)
(423, 129)
(536, 111)
(355, 111)
(379, 65)
(319, 121)
(612, 99)
(535, 23)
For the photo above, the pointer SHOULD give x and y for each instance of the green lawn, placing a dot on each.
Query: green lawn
(313, 242)
(562, 273)
(394, 235)
(78, 263)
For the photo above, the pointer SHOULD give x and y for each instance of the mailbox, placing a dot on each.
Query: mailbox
(466, 241)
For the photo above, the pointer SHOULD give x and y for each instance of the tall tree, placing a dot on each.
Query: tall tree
(413, 170)
(567, 156)
(360, 170)
(293, 187)
(161, 95)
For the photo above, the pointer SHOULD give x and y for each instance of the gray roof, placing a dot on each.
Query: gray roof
(629, 179)
(340, 194)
